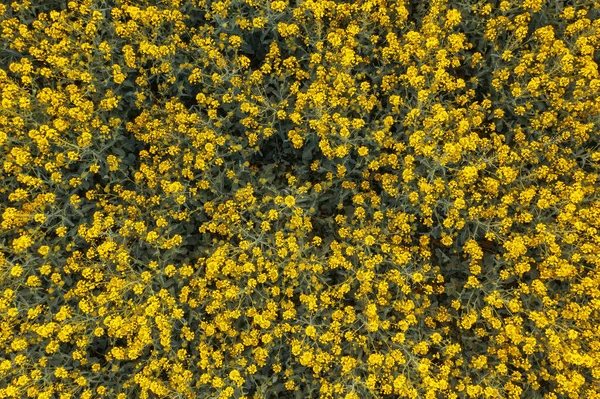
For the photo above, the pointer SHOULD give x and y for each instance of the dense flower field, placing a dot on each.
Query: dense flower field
(299, 199)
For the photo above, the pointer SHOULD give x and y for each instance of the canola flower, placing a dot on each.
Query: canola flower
(320, 199)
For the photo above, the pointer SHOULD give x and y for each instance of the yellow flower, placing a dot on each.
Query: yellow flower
(417, 277)
(577, 196)
(118, 76)
(22, 243)
(341, 151)
(515, 248)
(113, 163)
(43, 250)
(290, 201)
(170, 270)
(33, 281)
(507, 174)
(152, 236)
(306, 359)
(446, 240)
(376, 359)
(469, 174)
(278, 6)
(16, 271)
(235, 41)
